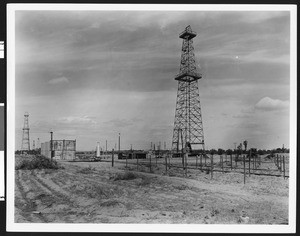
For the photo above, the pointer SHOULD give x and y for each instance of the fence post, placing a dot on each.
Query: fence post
(201, 161)
(283, 167)
(150, 162)
(196, 161)
(244, 169)
(137, 162)
(183, 165)
(279, 159)
(222, 164)
(259, 160)
(231, 161)
(166, 160)
(127, 158)
(236, 159)
(249, 165)
(185, 161)
(112, 158)
(211, 165)
(280, 163)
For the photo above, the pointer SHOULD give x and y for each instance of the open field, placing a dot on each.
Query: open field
(96, 192)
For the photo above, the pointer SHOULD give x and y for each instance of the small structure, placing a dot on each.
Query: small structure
(61, 149)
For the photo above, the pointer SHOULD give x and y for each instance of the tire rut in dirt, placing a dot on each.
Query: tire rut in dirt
(109, 191)
(30, 205)
(63, 206)
(57, 194)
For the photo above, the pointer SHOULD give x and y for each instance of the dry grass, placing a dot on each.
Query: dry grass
(86, 170)
(125, 176)
(145, 182)
(37, 162)
(109, 203)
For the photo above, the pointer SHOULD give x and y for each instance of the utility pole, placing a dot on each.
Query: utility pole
(119, 142)
(106, 146)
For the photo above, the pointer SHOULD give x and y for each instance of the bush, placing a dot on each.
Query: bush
(38, 162)
(181, 187)
(87, 170)
(125, 176)
(109, 203)
(145, 182)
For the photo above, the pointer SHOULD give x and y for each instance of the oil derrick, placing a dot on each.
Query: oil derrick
(25, 138)
(188, 128)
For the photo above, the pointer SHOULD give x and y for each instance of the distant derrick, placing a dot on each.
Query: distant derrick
(25, 137)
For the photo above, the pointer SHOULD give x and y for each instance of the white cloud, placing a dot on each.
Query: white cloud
(269, 104)
(76, 120)
(58, 80)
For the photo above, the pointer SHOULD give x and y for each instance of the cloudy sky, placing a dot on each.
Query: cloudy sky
(88, 75)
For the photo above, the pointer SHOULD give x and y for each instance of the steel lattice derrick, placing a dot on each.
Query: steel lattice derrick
(25, 137)
(188, 125)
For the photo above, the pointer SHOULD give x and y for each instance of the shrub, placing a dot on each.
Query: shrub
(125, 176)
(145, 182)
(109, 203)
(38, 162)
(181, 187)
(87, 170)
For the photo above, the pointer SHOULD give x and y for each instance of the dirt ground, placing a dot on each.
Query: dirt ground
(90, 192)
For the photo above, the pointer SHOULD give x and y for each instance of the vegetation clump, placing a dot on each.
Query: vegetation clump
(87, 170)
(125, 176)
(38, 162)
(109, 203)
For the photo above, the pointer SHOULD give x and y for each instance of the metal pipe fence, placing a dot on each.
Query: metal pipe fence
(277, 166)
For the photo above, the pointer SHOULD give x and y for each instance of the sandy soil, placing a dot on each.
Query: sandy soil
(80, 195)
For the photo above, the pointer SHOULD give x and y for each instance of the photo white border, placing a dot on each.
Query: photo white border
(2, 185)
(176, 228)
(2, 49)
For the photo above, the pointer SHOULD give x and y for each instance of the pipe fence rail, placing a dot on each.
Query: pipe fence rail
(246, 164)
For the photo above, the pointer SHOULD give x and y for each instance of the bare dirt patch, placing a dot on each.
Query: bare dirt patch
(95, 192)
